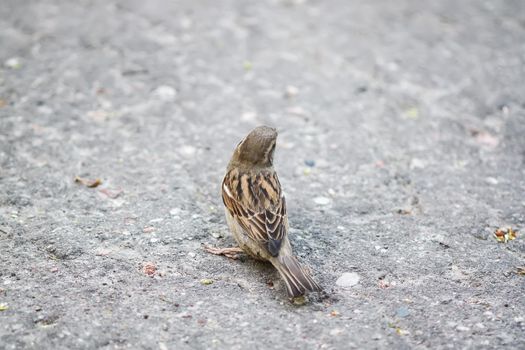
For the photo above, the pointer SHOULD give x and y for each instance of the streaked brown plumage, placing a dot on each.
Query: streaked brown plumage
(256, 209)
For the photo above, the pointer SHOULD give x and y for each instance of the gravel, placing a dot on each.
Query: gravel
(401, 151)
(348, 279)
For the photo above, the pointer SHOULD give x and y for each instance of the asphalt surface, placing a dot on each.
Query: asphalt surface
(401, 151)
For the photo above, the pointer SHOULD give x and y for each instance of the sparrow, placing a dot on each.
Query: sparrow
(255, 209)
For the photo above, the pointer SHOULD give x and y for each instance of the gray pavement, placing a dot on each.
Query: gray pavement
(401, 150)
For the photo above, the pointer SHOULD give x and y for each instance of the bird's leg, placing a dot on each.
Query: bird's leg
(232, 252)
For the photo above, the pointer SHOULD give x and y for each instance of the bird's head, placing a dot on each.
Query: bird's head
(257, 147)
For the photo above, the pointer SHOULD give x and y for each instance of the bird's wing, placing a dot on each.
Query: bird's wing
(258, 205)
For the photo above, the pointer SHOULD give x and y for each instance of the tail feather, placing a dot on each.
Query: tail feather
(297, 279)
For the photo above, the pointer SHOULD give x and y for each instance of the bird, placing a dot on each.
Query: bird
(255, 208)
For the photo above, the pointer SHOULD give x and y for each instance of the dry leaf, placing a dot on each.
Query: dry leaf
(300, 300)
(484, 138)
(148, 229)
(512, 234)
(149, 268)
(88, 183)
(403, 211)
(503, 235)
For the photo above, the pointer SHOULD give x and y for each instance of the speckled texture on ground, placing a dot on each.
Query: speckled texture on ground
(401, 149)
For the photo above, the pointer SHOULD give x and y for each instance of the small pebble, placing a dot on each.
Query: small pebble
(12, 63)
(361, 89)
(336, 331)
(148, 229)
(192, 254)
(416, 163)
(298, 111)
(491, 180)
(291, 91)
(322, 200)
(165, 93)
(149, 268)
(216, 234)
(310, 163)
(402, 312)
(322, 163)
(175, 211)
(187, 150)
(348, 279)
(248, 116)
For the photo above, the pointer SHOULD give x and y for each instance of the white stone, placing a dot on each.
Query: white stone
(291, 91)
(187, 150)
(336, 331)
(348, 279)
(248, 116)
(12, 63)
(491, 181)
(165, 93)
(322, 200)
(462, 328)
(416, 163)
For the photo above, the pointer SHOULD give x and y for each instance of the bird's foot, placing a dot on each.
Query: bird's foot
(232, 253)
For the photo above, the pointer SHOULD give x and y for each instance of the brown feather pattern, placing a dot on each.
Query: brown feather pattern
(258, 206)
